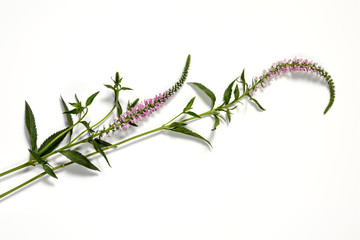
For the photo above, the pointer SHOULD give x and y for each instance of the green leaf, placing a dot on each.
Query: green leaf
(78, 158)
(119, 109)
(243, 76)
(49, 171)
(227, 93)
(125, 88)
(109, 86)
(74, 111)
(91, 99)
(37, 157)
(256, 102)
(87, 126)
(54, 144)
(207, 91)
(31, 126)
(228, 114)
(177, 124)
(244, 84)
(77, 100)
(68, 116)
(99, 150)
(117, 78)
(186, 131)
(102, 143)
(236, 92)
(75, 104)
(193, 114)
(216, 122)
(133, 104)
(132, 124)
(189, 105)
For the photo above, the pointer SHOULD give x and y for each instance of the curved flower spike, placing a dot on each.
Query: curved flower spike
(293, 65)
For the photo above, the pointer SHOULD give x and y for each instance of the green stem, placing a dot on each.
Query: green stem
(130, 139)
(107, 115)
(173, 118)
(69, 163)
(15, 169)
(22, 185)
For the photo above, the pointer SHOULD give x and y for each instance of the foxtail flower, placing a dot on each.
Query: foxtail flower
(145, 108)
(293, 65)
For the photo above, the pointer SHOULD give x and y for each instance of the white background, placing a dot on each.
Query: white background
(287, 173)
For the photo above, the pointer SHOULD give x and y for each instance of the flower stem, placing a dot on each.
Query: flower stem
(69, 163)
(107, 115)
(15, 169)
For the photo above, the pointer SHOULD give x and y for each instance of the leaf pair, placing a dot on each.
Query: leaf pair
(212, 97)
(50, 143)
(78, 107)
(98, 144)
(53, 141)
(44, 164)
(188, 107)
(117, 88)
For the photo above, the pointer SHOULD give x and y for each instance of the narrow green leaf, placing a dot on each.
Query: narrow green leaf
(236, 92)
(68, 116)
(244, 84)
(78, 158)
(220, 116)
(54, 145)
(37, 157)
(74, 111)
(99, 150)
(109, 86)
(125, 88)
(189, 105)
(243, 76)
(177, 124)
(77, 100)
(91, 99)
(87, 126)
(119, 109)
(216, 122)
(207, 91)
(75, 104)
(228, 114)
(257, 103)
(193, 114)
(102, 143)
(132, 124)
(117, 78)
(49, 171)
(133, 104)
(227, 93)
(31, 126)
(186, 131)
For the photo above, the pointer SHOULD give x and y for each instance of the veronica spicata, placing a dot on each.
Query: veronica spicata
(238, 90)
